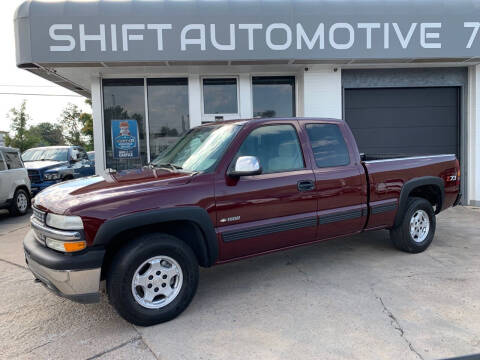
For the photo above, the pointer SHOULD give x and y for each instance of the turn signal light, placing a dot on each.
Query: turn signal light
(65, 246)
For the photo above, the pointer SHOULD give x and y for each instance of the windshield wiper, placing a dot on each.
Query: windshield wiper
(167, 165)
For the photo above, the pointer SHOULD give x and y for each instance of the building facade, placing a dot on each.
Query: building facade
(405, 75)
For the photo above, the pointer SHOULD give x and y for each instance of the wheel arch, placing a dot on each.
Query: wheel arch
(431, 188)
(190, 224)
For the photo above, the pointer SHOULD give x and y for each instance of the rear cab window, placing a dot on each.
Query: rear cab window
(328, 145)
(12, 160)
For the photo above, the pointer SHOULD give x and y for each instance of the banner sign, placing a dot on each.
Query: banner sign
(125, 139)
(97, 31)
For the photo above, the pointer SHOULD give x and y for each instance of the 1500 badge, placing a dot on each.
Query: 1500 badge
(233, 218)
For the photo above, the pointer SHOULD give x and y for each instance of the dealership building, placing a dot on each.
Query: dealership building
(404, 74)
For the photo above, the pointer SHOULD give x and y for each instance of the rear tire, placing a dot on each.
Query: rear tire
(417, 229)
(20, 203)
(152, 279)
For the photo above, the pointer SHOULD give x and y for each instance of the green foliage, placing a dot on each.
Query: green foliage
(21, 138)
(47, 134)
(77, 126)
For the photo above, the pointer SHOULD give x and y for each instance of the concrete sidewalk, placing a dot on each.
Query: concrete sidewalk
(351, 298)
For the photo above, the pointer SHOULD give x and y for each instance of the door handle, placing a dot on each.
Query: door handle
(305, 185)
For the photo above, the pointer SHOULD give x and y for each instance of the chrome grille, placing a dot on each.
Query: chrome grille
(39, 215)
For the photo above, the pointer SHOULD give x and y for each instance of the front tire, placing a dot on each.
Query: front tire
(20, 203)
(416, 232)
(152, 279)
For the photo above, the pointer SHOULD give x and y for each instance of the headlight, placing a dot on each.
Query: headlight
(51, 176)
(64, 222)
(65, 246)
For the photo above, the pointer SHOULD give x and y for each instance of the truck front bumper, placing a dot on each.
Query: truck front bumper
(75, 277)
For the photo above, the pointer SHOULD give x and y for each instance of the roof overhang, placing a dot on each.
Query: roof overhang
(52, 34)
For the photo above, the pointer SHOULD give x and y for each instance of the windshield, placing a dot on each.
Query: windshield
(56, 154)
(199, 149)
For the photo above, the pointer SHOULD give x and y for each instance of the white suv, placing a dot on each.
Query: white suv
(14, 182)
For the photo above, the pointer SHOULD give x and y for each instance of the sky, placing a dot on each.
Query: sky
(14, 80)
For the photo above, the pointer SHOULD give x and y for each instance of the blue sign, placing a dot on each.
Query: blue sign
(125, 139)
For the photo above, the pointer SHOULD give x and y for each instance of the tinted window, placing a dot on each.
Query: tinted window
(276, 147)
(328, 145)
(12, 159)
(2, 163)
(273, 96)
(124, 99)
(220, 96)
(167, 112)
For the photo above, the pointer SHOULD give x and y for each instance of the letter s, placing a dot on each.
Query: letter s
(57, 37)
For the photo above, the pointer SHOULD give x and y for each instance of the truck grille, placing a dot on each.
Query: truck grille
(34, 176)
(39, 215)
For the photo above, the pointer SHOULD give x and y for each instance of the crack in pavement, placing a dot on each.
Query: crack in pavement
(136, 338)
(12, 231)
(14, 264)
(145, 343)
(396, 324)
(291, 262)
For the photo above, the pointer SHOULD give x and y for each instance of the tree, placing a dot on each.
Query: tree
(47, 134)
(21, 138)
(71, 124)
(87, 127)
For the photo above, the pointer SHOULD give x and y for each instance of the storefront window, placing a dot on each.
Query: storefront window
(167, 112)
(220, 96)
(273, 96)
(124, 121)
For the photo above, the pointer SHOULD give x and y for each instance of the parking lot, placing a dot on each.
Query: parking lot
(353, 298)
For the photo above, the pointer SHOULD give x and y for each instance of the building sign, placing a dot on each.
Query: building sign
(125, 139)
(246, 30)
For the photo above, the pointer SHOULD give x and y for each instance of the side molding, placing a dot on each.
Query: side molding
(412, 184)
(196, 215)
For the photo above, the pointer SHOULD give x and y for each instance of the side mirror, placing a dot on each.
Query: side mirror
(246, 165)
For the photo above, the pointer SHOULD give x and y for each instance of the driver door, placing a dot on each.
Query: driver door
(275, 209)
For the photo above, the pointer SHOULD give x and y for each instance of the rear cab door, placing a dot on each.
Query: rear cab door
(5, 180)
(275, 209)
(340, 181)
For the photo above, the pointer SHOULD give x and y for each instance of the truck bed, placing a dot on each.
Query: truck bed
(387, 177)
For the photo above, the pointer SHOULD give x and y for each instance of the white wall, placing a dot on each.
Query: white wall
(97, 113)
(322, 92)
(473, 172)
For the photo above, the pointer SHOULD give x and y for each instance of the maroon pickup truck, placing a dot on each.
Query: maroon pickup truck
(223, 192)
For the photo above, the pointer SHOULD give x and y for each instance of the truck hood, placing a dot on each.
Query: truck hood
(44, 165)
(71, 196)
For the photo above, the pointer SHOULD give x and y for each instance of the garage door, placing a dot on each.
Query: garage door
(404, 121)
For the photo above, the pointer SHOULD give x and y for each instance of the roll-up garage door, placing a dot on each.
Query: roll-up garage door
(404, 121)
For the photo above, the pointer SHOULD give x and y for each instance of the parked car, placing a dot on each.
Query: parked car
(52, 164)
(14, 182)
(223, 192)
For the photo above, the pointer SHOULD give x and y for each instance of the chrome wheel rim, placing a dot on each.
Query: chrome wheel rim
(157, 282)
(419, 226)
(22, 202)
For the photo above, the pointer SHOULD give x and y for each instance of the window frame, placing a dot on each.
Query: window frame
(297, 133)
(207, 117)
(294, 93)
(342, 133)
(17, 154)
(3, 161)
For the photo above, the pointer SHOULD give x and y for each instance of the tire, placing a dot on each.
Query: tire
(20, 203)
(166, 250)
(415, 240)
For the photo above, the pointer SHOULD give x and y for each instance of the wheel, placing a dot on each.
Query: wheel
(417, 229)
(20, 202)
(152, 279)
